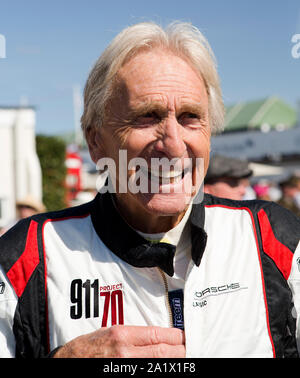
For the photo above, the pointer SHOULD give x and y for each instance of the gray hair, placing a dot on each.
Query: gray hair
(183, 39)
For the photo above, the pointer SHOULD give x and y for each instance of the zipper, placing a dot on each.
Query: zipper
(167, 297)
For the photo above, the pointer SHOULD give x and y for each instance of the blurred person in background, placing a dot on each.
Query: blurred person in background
(297, 196)
(26, 207)
(290, 194)
(29, 206)
(228, 177)
(262, 191)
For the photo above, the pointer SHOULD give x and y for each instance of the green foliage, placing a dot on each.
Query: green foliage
(51, 152)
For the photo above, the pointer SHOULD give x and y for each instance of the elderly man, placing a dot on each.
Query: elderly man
(154, 272)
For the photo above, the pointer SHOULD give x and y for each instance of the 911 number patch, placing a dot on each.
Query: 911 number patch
(91, 300)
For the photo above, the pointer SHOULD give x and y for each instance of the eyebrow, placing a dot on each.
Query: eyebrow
(193, 108)
(147, 107)
(153, 106)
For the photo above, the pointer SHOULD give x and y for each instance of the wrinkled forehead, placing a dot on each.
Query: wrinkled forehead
(156, 63)
(154, 76)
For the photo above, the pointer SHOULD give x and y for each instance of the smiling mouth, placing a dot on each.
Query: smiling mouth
(165, 176)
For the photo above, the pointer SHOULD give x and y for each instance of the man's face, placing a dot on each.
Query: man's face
(290, 191)
(225, 187)
(25, 211)
(159, 110)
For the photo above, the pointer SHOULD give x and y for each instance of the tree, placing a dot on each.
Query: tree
(51, 151)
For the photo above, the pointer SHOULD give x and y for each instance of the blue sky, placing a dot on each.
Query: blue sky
(52, 45)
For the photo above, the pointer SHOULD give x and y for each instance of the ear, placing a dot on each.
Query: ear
(94, 143)
(207, 189)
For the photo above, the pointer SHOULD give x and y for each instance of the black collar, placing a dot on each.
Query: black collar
(131, 247)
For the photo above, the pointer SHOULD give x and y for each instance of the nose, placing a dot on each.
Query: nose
(171, 142)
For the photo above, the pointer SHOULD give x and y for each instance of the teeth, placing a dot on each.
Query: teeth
(166, 174)
(168, 177)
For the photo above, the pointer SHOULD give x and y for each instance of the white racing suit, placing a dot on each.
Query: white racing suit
(70, 272)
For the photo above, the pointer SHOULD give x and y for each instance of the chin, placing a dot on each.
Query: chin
(165, 204)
